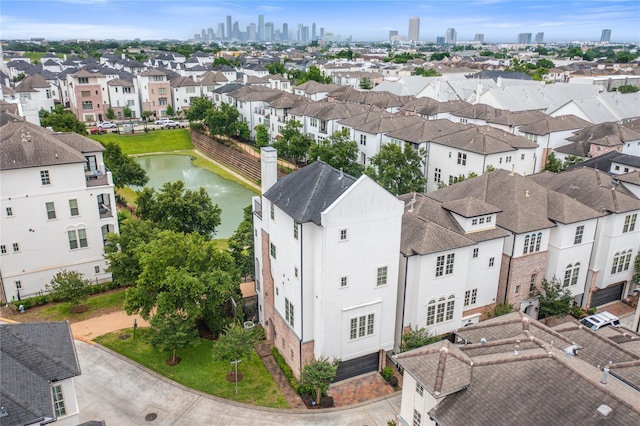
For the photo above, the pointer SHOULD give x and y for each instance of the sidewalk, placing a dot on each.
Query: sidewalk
(88, 330)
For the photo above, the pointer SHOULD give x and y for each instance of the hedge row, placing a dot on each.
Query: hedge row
(43, 299)
(300, 388)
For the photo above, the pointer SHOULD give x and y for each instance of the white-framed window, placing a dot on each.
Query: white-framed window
(191, 89)
(449, 265)
(295, 271)
(83, 80)
(440, 310)
(77, 238)
(361, 326)
(163, 101)
(440, 266)
(273, 250)
(630, 223)
(16, 247)
(162, 91)
(295, 230)
(96, 269)
(44, 177)
(58, 401)
(85, 93)
(522, 156)
(273, 212)
(419, 389)
(73, 207)
(489, 219)
(492, 261)
(475, 252)
(343, 281)
(363, 139)
(9, 211)
(417, 418)
(87, 105)
(343, 235)
(532, 282)
(579, 233)
(517, 289)
(437, 176)
(51, 210)
(381, 278)
(18, 284)
(470, 297)
(3, 249)
(621, 261)
(474, 221)
(313, 122)
(288, 311)
(462, 159)
(571, 274)
(532, 243)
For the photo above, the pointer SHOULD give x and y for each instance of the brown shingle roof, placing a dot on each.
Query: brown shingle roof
(555, 124)
(484, 140)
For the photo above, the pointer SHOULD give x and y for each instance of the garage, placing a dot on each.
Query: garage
(606, 295)
(357, 366)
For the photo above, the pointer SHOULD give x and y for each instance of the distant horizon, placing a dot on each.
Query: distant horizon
(366, 21)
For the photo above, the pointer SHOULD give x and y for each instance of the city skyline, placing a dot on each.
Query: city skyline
(499, 20)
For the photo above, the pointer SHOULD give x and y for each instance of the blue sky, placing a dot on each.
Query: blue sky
(499, 20)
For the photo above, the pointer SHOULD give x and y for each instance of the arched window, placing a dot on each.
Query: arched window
(526, 244)
(575, 273)
(571, 274)
(621, 261)
(440, 310)
(538, 241)
(567, 275)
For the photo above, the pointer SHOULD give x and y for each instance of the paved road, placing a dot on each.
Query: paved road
(122, 394)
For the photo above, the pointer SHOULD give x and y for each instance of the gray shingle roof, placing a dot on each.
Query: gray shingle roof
(32, 355)
(307, 192)
(555, 124)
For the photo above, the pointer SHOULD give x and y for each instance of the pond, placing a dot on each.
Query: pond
(230, 196)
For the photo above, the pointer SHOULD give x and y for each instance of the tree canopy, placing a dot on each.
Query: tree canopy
(554, 299)
(236, 343)
(179, 209)
(223, 120)
(70, 286)
(293, 144)
(172, 331)
(319, 374)
(416, 338)
(241, 244)
(262, 135)
(61, 120)
(124, 170)
(339, 152)
(398, 171)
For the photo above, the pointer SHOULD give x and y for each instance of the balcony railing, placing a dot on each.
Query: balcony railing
(96, 178)
(257, 207)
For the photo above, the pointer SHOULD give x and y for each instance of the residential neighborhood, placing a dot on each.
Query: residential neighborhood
(429, 229)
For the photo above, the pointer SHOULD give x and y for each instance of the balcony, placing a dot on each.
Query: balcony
(257, 207)
(96, 178)
(323, 130)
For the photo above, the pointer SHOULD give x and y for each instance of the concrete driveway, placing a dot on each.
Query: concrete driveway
(122, 393)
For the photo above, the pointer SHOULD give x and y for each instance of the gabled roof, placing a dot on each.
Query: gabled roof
(427, 130)
(120, 83)
(603, 162)
(555, 124)
(32, 356)
(605, 134)
(32, 82)
(210, 78)
(183, 82)
(484, 140)
(307, 192)
(470, 207)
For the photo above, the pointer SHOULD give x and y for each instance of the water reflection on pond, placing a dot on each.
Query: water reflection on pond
(231, 197)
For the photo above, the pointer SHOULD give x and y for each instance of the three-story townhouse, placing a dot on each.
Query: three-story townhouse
(88, 96)
(123, 93)
(155, 91)
(183, 91)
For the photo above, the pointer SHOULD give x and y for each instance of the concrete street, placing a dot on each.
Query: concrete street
(121, 393)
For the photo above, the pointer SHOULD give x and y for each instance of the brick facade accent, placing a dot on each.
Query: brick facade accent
(596, 150)
(592, 288)
(482, 310)
(515, 276)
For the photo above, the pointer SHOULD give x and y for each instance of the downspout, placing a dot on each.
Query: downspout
(404, 295)
(301, 297)
(506, 289)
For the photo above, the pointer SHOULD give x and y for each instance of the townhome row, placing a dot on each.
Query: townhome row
(343, 268)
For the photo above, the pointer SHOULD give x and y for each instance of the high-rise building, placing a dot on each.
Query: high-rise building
(305, 34)
(220, 31)
(251, 30)
(450, 36)
(479, 37)
(606, 36)
(229, 28)
(539, 38)
(313, 32)
(414, 29)
(260, 27)
(322, 32)
(235, 33)
(268, 31)
(203, 35)
(440, 40)
(392, 34)
(524, 38)
(285, 31)
(210, 34)
(299, 37)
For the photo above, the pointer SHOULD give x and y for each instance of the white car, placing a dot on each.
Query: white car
(107, 125)
(161, 121)
(171, 123)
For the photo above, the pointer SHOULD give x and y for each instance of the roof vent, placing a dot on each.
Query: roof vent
(604, 410)
(526, 194)
(516, 350)
(572, 350)
(483, 340)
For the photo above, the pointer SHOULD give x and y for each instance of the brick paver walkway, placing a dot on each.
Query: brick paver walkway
(359, 389)
(294, 400)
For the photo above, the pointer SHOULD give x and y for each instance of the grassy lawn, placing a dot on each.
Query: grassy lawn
(207, 165)
(98, 304)
(154, 141)
(199, 371)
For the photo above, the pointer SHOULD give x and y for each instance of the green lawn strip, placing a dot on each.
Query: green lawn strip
(62, 311)
(151, 142)
(208, 165)
(128, 194)
(199, 371)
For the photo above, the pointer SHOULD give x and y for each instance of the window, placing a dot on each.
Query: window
(489, 219)
(517, 289)
(621, 261)
(77, 238)
(96, 269)
(481, 220)
(126, 90)
(273, 212)
(3, 249)
(16, 247)
(163, 101)
(630, 222)
(522, 156)
(449, 267)
(474, 221)
(288, 311)
(191, 89)
(462, 159)
(532, 243)
(158, 78)
(73, 207)
(18, 285)
(51, 210)
(361, 326)
(440, 311)
(313, 122)
(363, 139)
(470, 297)
(343, 281)
(419, 389)
(131, 102)
(85, 93)
(44, 177)
(437, 175)
(475, 253)
(87, 105)
(295, 229)
(83, 80)
(9, 211)
(417, 418)
(295, 271)
(579, 232)
(571, 274)
(162, 91)
(343, 235)
(439, 266)
(492, 261)
(58, 401)
(273, 250)
(508, 159)
(382, 276)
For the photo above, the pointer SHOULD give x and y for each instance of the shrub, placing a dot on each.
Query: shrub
(326, 401)
(577, 312)
(387, 373)
(591, 311)
(393, 381)
(286, 370)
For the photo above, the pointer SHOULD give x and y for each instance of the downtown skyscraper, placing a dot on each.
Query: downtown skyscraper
(450, 36)
(605, 37)
(414, 29)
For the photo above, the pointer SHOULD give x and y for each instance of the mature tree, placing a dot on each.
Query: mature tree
(276, 68)
(147, 115)
(172, 331)
(319, 374)
(428, 72)
(126, 111)
(170, 111)
(416, 338)
(553, 163)
(124, 169)
(242, 130)
(339, 152)
(571, 160)
(122, 249)
(61, 120)
(241, 244)
(517, 66)
(539, 73)
(199, 108)
(110, 113)
(315, 74)
(184, 273)
(438, 56)
(624, 56)
(223, 120)
(544, 63)
(262, 135)
(636, 271)
(222, 61)
(70, 286)
(179, 209)
(502, 308)
(398, 171)
(628, 88)
(293, 144)
(554, 299)
(236, 343)
(365, 83)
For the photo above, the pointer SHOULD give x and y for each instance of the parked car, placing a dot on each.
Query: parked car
(597, 321)
(97, 130)
(107, 125)
(171, 123)
(161, 121)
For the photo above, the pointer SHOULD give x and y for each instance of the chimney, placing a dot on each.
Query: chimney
(268, 167)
